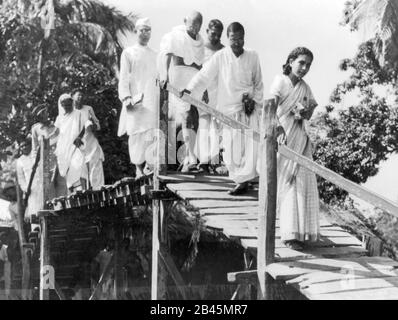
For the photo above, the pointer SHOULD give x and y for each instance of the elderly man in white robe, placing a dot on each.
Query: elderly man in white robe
(240, 95)
(93, 173)
(139, 95)
(70, 159)
(181, 57)
(207, 146)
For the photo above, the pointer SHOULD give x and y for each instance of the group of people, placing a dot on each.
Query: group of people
(79, 156)
(228, 79)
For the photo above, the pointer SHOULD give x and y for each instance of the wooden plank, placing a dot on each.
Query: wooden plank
(222, 223)
(204, 186)
(242, 233)
(215, 195)
(206, 204)
(251, 243)
(336, 241)
(184, 178)
(334, 233)
(338, 286)
(231, 211)
(366, 266)
(173, 271)
(230, 217)
(287, 254)
(335, 252)
(335, 285)
(240, 221)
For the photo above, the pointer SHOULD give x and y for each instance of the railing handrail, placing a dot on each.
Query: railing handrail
(331, 176)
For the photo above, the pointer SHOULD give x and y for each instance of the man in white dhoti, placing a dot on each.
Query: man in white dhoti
(70, 159)
(240, 95)
(24, 167)
(207, 140)
(181, 57)
(93, 173)
(139, 95)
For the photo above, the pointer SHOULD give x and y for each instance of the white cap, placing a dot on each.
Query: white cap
(143, 22)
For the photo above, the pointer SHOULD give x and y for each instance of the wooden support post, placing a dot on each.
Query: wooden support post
(118, 282)
(46, 270)
(47, 275)
(45, 170)
(157, 289)
(163, 136)
(25, 285)
(7, 279)
(267, 199)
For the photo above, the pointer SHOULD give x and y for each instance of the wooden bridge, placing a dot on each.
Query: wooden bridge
(335, 267)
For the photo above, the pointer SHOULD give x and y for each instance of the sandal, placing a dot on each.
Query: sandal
(188, 167)
(294, 244)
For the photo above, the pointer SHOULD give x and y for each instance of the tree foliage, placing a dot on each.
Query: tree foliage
(81, 52)
(378, 20)
(353, 140)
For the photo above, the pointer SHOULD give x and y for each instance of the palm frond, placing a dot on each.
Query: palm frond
(95, 40)
(376, 19)
(95, 12)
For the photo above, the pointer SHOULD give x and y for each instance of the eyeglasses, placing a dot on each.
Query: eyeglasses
(145, 30)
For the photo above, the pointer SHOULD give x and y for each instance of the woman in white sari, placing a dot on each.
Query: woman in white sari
(298, 200)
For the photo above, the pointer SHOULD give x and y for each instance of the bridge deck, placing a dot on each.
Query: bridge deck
(334, 267)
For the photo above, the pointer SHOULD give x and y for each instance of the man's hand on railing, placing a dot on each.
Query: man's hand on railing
(248, 104)
(163, 84)
(184, 91)
(281, 135)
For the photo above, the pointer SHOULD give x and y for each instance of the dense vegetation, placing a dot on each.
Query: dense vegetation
(41, 62)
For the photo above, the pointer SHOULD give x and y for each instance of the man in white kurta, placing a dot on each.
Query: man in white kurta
(238, 73)
(207, 140)
(139, 95)
(181, 57)
(92, 171)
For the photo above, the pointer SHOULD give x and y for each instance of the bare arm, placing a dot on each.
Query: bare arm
(94, 118)
(21, 177)
(258, 87)
(165, 61)
(124, 84)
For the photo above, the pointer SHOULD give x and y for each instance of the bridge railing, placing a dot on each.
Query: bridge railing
(268, 174)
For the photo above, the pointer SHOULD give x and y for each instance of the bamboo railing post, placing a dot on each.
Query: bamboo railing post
(267, 198)
(163, 127)
(46, 270)
(158, 287)
(25, 285)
